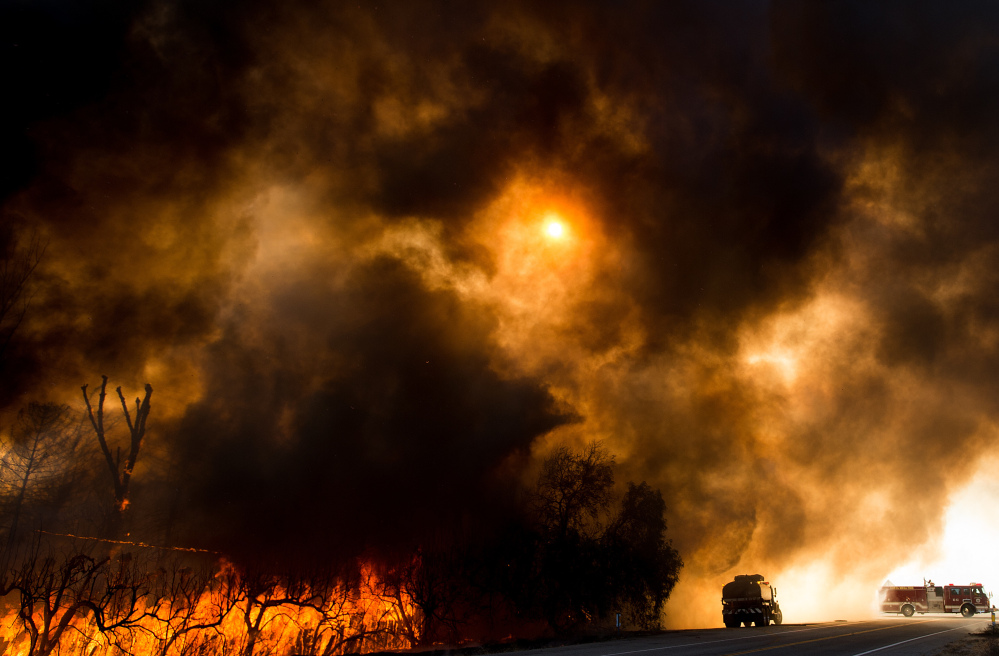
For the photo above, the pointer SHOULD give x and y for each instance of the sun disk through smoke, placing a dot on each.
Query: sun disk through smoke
(554, 228)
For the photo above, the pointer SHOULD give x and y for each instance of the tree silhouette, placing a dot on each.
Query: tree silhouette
(434, 580)
(39, 456)
(572, 490)
(644, 565)
(56, 590)
(186, 601)
(121, 476)
(18, 261)
(582, 570)
(573, 487)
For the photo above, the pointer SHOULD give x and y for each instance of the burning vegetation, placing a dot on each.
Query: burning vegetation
(98, 601)
(567, 555)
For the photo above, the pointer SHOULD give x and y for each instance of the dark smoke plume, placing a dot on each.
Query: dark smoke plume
(316, 229)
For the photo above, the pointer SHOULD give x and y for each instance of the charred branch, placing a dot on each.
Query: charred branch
(186, 601)
(120, 476)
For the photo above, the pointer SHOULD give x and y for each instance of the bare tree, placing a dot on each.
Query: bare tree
(430, 592)
(353, 610)
(53, 593)
(330, 634)
(573, 486)
(18, 262)
(39, 454)
(116, 596)
(187, 601)
(121, 476)
(261, 593)
(382, 615)
(50, 593)
(78, 592)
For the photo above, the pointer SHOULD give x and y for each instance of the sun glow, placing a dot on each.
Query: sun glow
(554, 227)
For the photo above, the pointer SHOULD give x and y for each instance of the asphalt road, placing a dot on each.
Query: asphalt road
(919, 635)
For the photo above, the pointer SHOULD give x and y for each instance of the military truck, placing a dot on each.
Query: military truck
(749, 599)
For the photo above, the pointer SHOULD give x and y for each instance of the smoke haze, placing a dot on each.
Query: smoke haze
(318, 231)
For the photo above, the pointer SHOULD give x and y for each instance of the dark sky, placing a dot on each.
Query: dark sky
(318, 230)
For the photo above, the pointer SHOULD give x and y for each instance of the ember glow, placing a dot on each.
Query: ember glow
(379, 262)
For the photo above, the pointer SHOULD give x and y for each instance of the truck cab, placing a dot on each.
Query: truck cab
(965, 599)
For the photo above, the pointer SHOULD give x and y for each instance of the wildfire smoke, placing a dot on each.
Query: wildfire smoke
(323, 234)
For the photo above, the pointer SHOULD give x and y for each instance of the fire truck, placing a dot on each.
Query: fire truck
(966, 599)
(750, 599)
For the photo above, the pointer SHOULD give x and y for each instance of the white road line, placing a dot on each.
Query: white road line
(910, 640)
(712, 642)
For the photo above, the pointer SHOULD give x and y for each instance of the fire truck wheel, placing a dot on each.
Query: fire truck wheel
(908, 610)
(968, 610)
(778, 617)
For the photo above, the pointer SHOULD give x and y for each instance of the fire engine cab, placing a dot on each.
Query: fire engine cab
(929, 598)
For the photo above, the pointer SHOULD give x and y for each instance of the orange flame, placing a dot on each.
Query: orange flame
(225, 615)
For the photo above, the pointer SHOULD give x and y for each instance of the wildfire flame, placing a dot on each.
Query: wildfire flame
(228, 613)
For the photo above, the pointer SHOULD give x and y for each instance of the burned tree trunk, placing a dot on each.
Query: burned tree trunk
(121, 476)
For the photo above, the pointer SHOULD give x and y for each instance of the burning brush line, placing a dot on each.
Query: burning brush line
(112, 604)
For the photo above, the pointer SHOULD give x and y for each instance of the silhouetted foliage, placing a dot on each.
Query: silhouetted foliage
(572, 488)
(584, 571)
(38, 463)
(644, 564)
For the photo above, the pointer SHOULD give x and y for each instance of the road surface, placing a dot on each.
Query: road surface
(919, 635)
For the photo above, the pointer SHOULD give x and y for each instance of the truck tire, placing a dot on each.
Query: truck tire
(968, 610)
(778, 617)
(908, 610)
